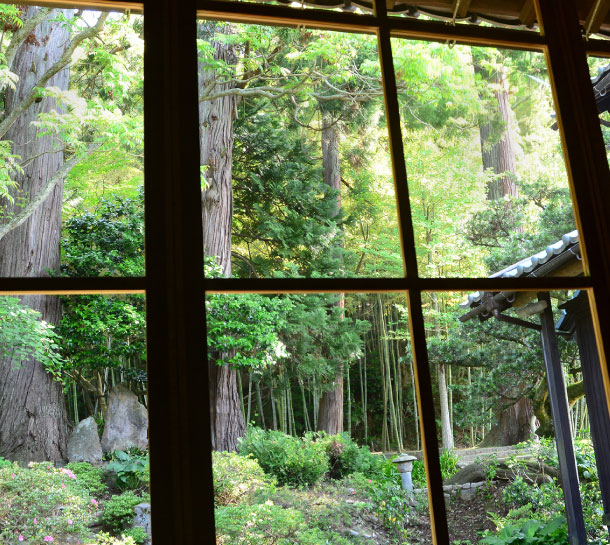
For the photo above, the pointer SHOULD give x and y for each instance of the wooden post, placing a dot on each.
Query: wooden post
(561, 421)
(581, 324)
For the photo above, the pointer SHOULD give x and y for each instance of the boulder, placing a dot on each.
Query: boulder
(126, 423)
(84, 443)
(474, 473)
(142, 518)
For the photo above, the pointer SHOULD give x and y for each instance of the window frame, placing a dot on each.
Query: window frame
(180, 445)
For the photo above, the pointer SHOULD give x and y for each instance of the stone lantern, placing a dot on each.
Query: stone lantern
(404, 464)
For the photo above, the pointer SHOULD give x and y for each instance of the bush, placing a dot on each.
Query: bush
(118, 511)
(237, 478)
(293, 461)
(269, 524)
(89, 476)
(346, 457)
(42, 501)
(106, 539)
(137, 533)
(531, 532)
(131, 469)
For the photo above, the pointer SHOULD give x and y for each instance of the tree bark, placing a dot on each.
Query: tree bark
(216, 141)
(498, 150)
(513, 425)
(330, 414)
(33, 419)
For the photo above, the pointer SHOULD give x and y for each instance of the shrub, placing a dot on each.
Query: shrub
(293, 461)
(346, 457)
(269, 524)
(106, 539)
(137, 533)
(531, 532)
(131, 468)
(237, 478)
(118, 513)
(89, 476)
(42, 501)
(449, 463)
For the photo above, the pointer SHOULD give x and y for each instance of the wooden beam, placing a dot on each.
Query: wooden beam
(596, 16)
(561, 421)
(528, 13)
(585, 156)
(460, 8)
(594, 392)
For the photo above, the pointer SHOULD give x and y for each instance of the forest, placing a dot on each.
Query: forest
(310, 395)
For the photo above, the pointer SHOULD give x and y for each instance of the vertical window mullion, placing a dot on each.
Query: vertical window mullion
(425, 399)
(180, 463)
(585, 153)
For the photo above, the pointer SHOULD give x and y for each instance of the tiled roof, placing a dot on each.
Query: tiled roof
(539, 264)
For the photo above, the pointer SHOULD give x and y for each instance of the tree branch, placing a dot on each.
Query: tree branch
(31, 207)
(61, 63)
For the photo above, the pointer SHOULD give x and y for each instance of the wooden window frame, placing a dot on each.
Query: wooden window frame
(181, 479)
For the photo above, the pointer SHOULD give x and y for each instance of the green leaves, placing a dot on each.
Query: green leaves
(24, 336)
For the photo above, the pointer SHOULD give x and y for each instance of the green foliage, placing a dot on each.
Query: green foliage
(293, 461)
(40, 501)
(90, 477)
(137, 533)
(346, 457)
(243, 329)
(237, 478)
(544, 498)
(132, 470)
(448, 460)
(531, 532)
(118, 511)
(24, 336)
(104, 538)
(108, 241)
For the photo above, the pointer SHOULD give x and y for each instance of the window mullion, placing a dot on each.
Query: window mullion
(425, 400)
(180, 463)
(586, 162)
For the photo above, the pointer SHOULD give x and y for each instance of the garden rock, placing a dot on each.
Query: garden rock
(142, 518)
(474, 473)
(84, 443)
(126, 421)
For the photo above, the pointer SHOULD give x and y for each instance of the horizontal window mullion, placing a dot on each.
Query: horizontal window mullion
(354, 285)
(72, 286)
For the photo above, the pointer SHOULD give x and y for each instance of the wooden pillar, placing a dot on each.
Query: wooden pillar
(578, 312)
(561, 421)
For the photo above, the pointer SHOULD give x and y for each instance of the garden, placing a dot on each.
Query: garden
(312, 396)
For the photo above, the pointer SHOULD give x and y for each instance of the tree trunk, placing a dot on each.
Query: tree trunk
(33, 419)
(330, 414)
(513, 425)
(216, 143)
(497, 146)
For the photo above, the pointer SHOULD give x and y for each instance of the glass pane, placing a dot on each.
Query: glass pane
(74, 424)
(290, 373)
(295, 168)
(500, 433)
(71, 143)
(487, 179)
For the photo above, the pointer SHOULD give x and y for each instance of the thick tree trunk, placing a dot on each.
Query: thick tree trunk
(33, 419)
(330, 414)
(513, 425)
(216, 140)
(498, 147)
